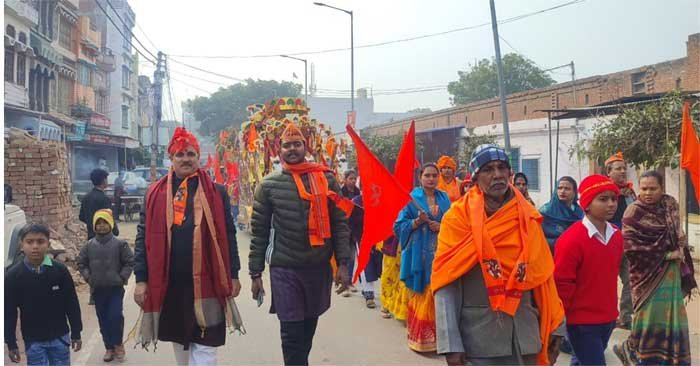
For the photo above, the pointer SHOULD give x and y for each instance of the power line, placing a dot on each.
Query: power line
(170, 89)
(120, 31)
(145, 35)
(207, 71)
(124, 23)
(409, 39)
(191, 86)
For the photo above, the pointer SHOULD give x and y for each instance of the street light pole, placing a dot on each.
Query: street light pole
(501, 86)
(352, 54)
(306, 78)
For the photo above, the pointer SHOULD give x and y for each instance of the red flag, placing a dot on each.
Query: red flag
(252, 136)
(690, 150)
(405, 163)
(232, 171)
(218, 178)
(209, 162)
(382, 196)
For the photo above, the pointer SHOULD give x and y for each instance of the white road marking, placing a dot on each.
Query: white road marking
(96, 337)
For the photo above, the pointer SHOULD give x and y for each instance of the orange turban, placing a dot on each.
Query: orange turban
(614, 158)
(181, 140)
(292, 133)
(446, 162)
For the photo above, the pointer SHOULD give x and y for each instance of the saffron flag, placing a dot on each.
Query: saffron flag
(383, 197)
(209, 162)
(690, 150)
(218, 178)
(405, 163)
(232, 171)
(252, 136)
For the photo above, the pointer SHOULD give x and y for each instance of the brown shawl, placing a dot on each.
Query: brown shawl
(650, 233)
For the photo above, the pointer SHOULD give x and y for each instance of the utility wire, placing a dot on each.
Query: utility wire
(120, 31)
(170, 89)
(145, 35)
(125, 25)
(207, 71)
(192, 86)
(471, 27)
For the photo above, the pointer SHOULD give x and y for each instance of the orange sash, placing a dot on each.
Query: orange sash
(510, 249)
(180, 201)
(452, 189)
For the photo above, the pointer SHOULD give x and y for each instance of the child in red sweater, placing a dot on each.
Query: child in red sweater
(586, 265)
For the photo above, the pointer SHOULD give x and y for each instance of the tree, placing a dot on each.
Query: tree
(471, 142)
(481, 81)
(386, 148)
(648, 135)
(227, 106)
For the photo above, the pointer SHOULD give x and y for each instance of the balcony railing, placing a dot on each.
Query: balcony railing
(24, 10)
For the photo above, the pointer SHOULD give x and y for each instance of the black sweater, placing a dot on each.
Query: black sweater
(45, 301)
(92, 202)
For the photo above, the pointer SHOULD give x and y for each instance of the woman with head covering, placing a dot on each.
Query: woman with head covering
(520, 182)
(447, 182)
(417, 228)
(661, 275)
(561, 211)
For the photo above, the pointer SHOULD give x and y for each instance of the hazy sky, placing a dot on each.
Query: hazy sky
(600, 36)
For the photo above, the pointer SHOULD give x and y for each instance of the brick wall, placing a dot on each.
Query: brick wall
(666, 76)
(38, 174)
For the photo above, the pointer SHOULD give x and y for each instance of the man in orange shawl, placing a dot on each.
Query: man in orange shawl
(447, 182)
(186, 259)
(493, 275)
(303, 205)
(616, 170)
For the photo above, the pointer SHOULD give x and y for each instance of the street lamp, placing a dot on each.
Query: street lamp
(352, 55)
(306, 90)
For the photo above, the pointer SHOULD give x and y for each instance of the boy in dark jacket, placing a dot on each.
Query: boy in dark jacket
(95, 200)
(43, 290)
(106, 264)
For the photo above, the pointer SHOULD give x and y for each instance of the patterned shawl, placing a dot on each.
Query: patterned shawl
(650, 232)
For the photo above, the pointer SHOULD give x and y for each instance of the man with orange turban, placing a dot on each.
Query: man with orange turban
(186, 259)
(616, 170)
(496, 301)
(447, 182)
(302, 203)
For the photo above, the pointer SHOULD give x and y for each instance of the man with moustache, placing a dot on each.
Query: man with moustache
(301, 203)
(186, 258)
(496, 301)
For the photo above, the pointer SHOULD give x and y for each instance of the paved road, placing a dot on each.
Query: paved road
(348, 334)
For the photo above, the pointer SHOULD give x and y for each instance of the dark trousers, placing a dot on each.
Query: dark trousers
(589, 342)
(297, 339)
(109, 306)
(626, 295)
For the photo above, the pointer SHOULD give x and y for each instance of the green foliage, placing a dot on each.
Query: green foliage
(386, 148)
(227, 106)
(472, 142)
(481, 81)
(647, 135)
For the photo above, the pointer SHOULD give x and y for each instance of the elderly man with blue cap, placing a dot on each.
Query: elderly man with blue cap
(496, 301)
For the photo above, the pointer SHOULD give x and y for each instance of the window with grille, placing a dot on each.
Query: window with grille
(65, 94)
(125, 116)
(638, 85)
(9, 64)
(100, 103)
(531, 168)
(84, 75)
(65, 34)
(126, 77)
(10, 31)
(21, 69)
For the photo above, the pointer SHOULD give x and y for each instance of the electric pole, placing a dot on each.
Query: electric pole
(157, 113)
(501, 86)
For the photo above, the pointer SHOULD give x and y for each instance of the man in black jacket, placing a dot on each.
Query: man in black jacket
(43, 291)
(95, 200)
(306, 236)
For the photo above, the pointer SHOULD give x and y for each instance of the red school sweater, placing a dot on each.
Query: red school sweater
(585, 271)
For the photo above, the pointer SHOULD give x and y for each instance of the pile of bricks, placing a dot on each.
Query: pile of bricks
(38, 173)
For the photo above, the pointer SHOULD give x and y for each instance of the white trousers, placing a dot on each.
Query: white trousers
(197, 355)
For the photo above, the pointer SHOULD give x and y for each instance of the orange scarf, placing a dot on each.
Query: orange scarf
(452, 189)
(319, 218)
(180, 201)
(512, 252)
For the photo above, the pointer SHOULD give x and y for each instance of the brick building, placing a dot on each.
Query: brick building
(682, 73)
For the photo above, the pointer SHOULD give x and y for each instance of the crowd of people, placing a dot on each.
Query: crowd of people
(477, 272)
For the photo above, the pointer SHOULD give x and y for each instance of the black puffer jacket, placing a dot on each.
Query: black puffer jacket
(278, 205)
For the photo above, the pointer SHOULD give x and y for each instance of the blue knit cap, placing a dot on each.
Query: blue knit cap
(485, 154)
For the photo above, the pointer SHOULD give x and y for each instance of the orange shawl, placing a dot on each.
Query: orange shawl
(512, 252)
(452, 189)
(319, 218)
